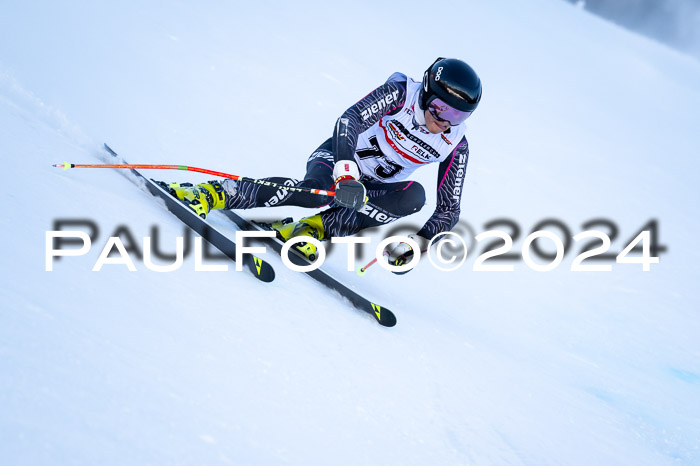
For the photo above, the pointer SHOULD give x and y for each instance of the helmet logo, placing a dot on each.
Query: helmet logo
(425, 82)
(437, 75)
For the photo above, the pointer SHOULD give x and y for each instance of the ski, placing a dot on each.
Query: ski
(260, 269)
(381, 314)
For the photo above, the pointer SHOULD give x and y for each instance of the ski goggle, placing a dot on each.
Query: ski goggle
(443, 112)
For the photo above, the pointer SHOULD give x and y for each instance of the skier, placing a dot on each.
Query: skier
(376, 145)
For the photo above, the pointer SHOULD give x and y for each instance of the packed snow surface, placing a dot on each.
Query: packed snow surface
(580, 120)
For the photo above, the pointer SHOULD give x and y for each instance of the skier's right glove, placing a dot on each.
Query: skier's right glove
(349, 192)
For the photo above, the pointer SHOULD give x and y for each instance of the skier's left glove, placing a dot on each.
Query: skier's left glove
(349, 192)
(402, 253)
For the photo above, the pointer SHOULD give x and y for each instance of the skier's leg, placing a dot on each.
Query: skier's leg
(319, 175)
(387, 203)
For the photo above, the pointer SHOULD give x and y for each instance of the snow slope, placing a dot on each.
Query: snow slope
(579, 120)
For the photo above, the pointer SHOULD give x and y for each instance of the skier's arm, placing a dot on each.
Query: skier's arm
(450, 185)
(387, 98)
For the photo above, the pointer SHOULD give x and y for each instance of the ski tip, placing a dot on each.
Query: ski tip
(261, 269)
(388, 319)
(384, 316)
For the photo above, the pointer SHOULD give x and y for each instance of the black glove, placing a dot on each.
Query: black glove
(349, 192)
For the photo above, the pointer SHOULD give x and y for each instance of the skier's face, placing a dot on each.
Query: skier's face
(435, 126)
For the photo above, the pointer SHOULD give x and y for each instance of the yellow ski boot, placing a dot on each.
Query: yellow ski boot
(309, 226)
(202, 198)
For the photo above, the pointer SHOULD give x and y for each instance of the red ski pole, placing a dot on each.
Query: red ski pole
(320, 192)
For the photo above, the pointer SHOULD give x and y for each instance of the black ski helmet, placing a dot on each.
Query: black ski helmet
(454, 82)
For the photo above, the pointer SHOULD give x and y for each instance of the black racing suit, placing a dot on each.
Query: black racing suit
(387, 201)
